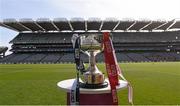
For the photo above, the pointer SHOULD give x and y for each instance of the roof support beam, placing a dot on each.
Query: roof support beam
(24, 26)
(160, 26)
(116, 25)
(174, 21)
(55, 26)
(131, 26)
(6, 26)
(85, 26)
(146, 25)
(101, 25)
(39, 26)
(70, 26)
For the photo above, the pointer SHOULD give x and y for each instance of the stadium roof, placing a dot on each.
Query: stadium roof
(90, 25)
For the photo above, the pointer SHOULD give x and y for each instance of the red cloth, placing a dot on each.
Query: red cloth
(113, 69)
(111, 65)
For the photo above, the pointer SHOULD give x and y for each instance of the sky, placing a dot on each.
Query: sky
(135, 9)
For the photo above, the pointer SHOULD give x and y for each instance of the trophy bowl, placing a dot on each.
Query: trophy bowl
(91, 45)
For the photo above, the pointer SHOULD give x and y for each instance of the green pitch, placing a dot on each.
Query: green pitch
(153, 83)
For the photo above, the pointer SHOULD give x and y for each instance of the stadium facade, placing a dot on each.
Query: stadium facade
(47, 41)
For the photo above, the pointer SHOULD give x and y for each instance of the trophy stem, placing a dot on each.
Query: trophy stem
(92, 61)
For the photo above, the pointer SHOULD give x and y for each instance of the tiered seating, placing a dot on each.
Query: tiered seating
(122, 57)
(7, 58)
(67, 58)
(175, 55)
(42, 38)
(18, 58)
(146, 37)
(136, 57)
(159, 56)
(35, 58)
(52, 58)
(52, 47)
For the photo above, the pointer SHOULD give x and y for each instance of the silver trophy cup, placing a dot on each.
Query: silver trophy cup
(91, 45)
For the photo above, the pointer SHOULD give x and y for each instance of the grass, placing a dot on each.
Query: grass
(36, 84)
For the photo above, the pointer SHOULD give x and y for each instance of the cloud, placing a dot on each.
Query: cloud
(153, 9)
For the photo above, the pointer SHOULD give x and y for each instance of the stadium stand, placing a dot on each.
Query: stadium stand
(46, 41)
(3, 51)
(130, 47)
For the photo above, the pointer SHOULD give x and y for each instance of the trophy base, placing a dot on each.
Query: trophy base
(93, 86)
